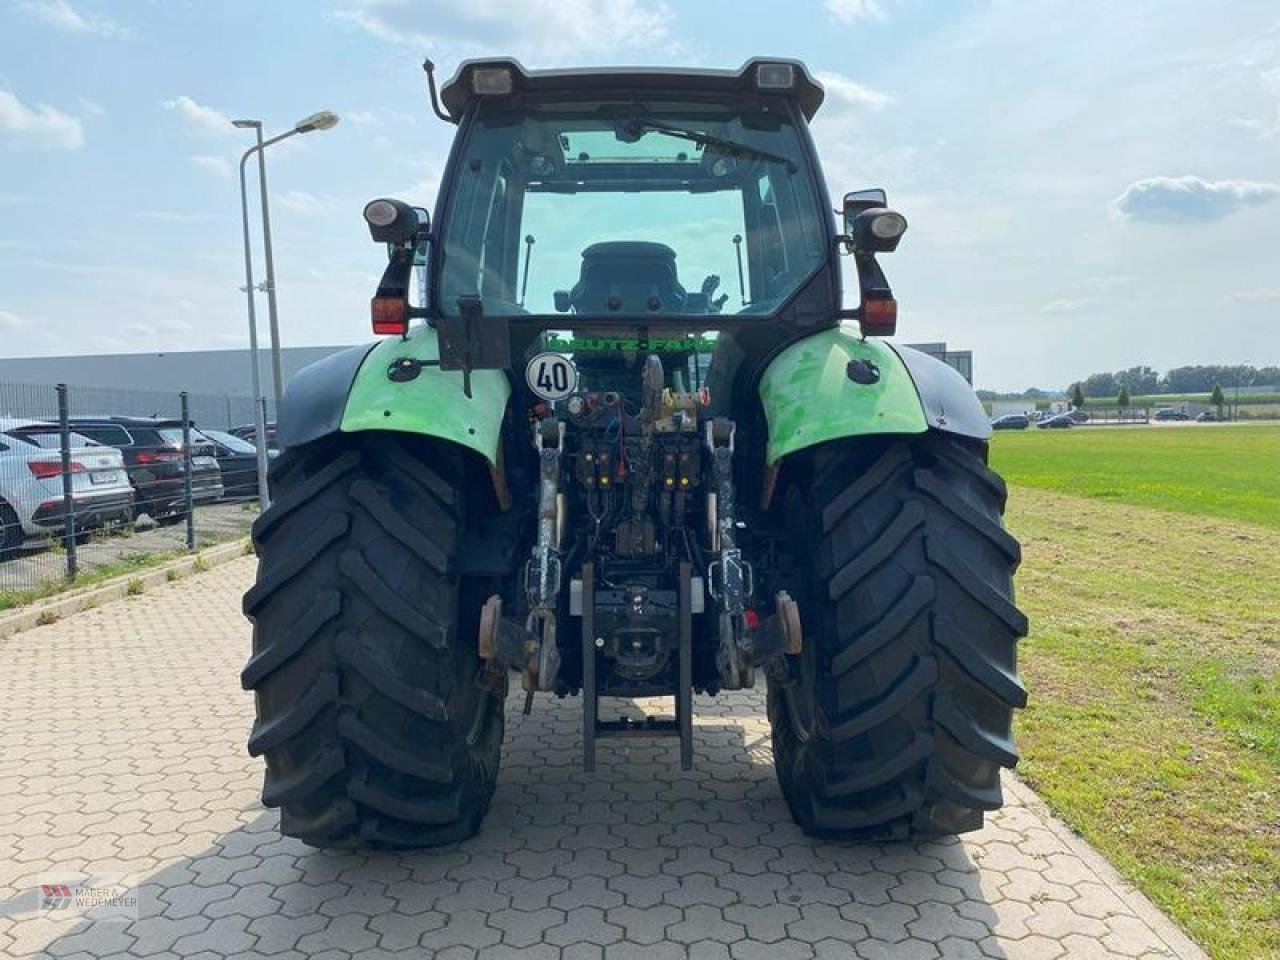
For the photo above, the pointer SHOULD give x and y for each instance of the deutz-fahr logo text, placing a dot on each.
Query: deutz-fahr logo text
(561, 344)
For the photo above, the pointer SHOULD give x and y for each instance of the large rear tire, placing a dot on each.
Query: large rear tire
(364, 667)
(899, 720)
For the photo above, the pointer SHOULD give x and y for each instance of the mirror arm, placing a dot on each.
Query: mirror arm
(395, 279)
(872, 285)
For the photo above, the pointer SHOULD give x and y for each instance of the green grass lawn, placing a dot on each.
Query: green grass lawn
(1222, 471)
(1154, 660)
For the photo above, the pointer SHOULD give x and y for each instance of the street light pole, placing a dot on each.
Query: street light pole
(324, 120)
(277, 376)
(260, 433)
(317, 121)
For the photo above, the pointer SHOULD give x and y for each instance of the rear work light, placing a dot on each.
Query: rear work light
(48, 469)
(775, 76)
(878, 318)
(889, 225)
(491, 81)
(390, 316)
(380, 213)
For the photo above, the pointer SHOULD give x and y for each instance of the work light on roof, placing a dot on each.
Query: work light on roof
(491, 81)
(775, 76)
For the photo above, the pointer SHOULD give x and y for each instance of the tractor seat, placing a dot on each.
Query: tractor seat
(627, 277)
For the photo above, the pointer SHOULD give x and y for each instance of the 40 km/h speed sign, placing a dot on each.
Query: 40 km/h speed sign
(551, 376)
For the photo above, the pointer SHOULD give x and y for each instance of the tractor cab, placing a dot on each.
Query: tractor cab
(633, 198)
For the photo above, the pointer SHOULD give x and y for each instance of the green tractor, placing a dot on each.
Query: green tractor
(633, 447)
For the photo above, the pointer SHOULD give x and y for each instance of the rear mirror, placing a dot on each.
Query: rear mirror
(860, 200)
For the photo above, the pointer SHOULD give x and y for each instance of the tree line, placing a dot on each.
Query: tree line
(1144, 381)
(1200, 378)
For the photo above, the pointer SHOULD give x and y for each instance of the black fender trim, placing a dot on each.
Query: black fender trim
(949, 403)
(316, 397)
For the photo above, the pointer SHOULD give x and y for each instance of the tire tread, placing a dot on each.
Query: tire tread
(913, 629)
(373, 727)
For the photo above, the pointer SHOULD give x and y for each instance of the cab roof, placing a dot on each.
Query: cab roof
(457, 94)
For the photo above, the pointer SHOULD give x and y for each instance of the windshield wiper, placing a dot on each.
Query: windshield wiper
(631, 130)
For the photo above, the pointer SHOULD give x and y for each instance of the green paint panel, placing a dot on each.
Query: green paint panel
(809, 399)
(433, 404)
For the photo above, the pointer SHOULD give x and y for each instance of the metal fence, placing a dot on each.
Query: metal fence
(1102, 415)
(85, 494)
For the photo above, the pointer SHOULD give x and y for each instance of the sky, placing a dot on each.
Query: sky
(1090, 184)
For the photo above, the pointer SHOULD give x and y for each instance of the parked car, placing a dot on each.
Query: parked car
(1168, 413)
(1210, 417)
(238, 461)
(152, 451)
(1011, 421)
(1078, 415)
(31, 495)
(249, 433)
(1060, 422)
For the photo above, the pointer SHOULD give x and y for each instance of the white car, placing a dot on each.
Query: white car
(31, 503)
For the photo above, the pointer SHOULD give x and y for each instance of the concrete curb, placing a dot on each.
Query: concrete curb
(1180, 945)
(64, 605)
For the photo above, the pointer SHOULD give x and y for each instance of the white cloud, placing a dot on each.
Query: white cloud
(844, 142)
(301, 202)
(218, 166)
(172, 216)
(1260, 295)
(378, 119)
(10, 321)
(851, 11)
(846, 94)
(1190, 199)
(1068, 305)
(201, 118)
(428, 167)
(1266, 127)
(550, 29)
(60, 14)
(38, 128)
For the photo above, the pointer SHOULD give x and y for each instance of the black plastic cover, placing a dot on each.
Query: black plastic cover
(316, 398)
(950, 405)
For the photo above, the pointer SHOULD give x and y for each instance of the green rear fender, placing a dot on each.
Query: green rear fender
(431, 404)
(809, 398)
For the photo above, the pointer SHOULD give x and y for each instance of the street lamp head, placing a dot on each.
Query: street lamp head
(317, 121)
(246, 124)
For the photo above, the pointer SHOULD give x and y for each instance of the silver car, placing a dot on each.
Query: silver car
(31, 496)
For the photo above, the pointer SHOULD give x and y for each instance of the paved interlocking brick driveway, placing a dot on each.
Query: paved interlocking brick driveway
(123, 756)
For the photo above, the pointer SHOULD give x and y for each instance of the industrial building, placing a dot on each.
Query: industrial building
(129, 383)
